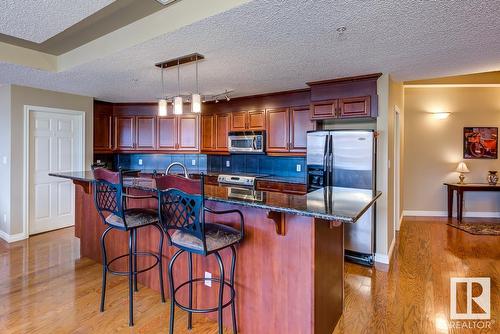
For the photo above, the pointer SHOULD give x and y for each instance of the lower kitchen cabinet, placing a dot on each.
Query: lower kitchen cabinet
(287, 188)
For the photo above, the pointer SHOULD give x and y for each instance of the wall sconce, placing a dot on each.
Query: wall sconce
(440, 115)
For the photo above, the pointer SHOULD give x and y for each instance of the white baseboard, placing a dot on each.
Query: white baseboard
(386, 258)
(477, 214)
(12, 238)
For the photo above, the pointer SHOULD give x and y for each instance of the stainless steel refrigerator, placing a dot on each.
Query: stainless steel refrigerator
(346, 158)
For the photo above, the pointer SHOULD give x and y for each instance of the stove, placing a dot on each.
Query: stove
(243, 180)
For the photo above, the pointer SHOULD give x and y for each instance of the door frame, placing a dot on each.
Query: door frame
(397, 168)
(26, 153)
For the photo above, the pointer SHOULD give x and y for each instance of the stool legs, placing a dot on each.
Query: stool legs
(190, 273)
(160, 263)
(134, 231)
(130, 279)
(221, 291)
(104, 268)
(233, 304)
(172, 293)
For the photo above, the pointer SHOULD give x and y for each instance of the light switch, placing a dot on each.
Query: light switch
(4, 160)
(193, 162)
(140, 162)
(228, 163)
(299, 168)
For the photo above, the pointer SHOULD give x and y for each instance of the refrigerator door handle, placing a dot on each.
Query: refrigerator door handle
(331, 162)
(325, 163)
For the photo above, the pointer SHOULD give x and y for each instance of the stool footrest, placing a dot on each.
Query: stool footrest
(206, 310)
(126, 273)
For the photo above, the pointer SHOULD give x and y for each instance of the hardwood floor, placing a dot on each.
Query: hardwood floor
(46, 288)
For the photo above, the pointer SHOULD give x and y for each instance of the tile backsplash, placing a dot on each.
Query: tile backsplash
(237, 163)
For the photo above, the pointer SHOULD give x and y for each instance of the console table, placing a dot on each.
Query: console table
(460, 189)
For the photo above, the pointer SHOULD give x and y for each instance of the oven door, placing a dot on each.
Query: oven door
(245, 144)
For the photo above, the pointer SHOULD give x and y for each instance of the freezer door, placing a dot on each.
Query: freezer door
(358, 237)
(316, 148)
(352, 159)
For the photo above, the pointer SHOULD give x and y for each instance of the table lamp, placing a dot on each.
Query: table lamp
(462, 168)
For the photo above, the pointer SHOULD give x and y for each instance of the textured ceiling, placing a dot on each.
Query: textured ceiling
(272, 45)
(37, 21)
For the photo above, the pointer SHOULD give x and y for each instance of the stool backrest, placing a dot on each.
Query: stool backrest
(181, 205)
(108, 190)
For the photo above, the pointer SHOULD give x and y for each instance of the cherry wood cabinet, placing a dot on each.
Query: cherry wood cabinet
(145, 132)
(287, 130)
(287, 188)
(166, 133)
(124, 133)
(214, 132)
(254, 120)
(354, 107)
(187, 133)
(324, 109)
(103, 125)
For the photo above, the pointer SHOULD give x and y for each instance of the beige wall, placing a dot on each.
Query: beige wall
(20, 97)
(433, 148)
(5, 154)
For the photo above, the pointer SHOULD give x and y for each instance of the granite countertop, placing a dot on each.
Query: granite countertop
(345, 205)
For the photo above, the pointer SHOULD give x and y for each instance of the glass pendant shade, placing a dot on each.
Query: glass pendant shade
(178, 105)
(196, 103)
(162, 107)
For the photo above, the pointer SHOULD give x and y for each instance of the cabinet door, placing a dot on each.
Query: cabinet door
(355, 107)
(167, 133)
(221, 133)
(187, 133)
(208, 132)
(257, 120)
(145, 132)
(300, 123)
(102, 133)
(277, 130)
(239, 121)
(324, 109)
(125, 132)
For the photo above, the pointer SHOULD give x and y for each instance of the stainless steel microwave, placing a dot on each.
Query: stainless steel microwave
(247, 142)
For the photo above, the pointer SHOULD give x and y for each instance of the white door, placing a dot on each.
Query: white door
(55, 146)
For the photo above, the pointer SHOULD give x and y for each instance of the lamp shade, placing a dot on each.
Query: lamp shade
(462, 168)
(196, 103)
(178, 105)
(162, 107)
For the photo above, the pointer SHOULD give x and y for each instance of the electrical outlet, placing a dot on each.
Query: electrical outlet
(208, 276)
(299, 168)
(98, 161)
(228, 163)
(4, 160)
(140, 162)
(193, 162)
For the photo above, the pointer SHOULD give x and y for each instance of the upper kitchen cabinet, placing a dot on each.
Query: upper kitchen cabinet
(135, 133)
(145, 132)
(214, 132)
(178, 133)
(167, 133)
(354, 97)
(103, 127)
(254, 120)
(287, 130)
(124, 133)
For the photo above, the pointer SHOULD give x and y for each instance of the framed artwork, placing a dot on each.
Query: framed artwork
(480, 143)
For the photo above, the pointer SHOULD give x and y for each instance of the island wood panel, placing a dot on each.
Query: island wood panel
(271, 270)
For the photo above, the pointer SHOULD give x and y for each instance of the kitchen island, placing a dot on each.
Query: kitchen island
(290, 266)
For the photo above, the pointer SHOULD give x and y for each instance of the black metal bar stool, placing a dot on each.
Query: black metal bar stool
(110, 202)
(182, 209)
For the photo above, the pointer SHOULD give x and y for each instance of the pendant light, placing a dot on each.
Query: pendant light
(196, 98)
(162, 103)
(178, 98)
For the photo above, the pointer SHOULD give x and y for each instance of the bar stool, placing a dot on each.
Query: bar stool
(182, 209)
(110, 202)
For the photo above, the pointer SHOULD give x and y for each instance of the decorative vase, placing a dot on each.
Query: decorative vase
(492, 177)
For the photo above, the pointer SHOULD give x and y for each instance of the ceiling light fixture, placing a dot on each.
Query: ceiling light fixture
(165, 2)
(178, 98)
(162, 103)
(196, 98)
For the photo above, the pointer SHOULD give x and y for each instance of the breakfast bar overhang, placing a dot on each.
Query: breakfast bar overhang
(290, 272)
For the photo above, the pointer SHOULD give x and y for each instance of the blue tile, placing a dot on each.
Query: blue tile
(238, 163)
(252, 163)
(202, 163)
(224, 167)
